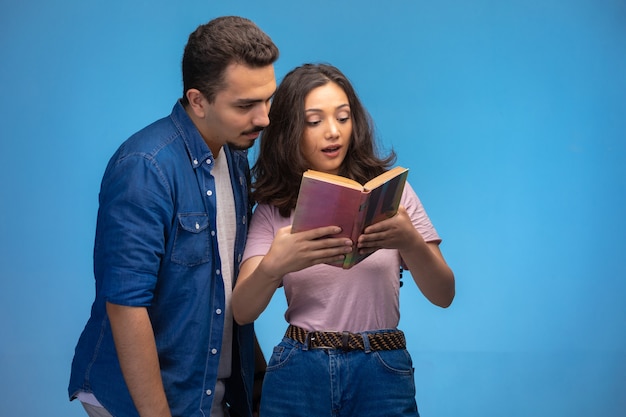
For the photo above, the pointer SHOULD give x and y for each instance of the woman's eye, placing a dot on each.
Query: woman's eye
(313, 122)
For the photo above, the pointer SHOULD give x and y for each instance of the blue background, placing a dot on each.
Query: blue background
(511, 116)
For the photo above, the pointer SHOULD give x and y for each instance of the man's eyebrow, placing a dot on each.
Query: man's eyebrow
(243, 101)
(248, 101)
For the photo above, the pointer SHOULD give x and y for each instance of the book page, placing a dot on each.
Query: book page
(334, 179)
(384, 177)
(385, 199)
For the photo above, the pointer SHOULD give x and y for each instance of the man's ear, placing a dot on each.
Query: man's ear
(196, 102)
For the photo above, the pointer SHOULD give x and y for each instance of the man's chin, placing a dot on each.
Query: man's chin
(240, 146)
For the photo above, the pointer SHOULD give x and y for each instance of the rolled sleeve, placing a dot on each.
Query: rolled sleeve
(134, 208)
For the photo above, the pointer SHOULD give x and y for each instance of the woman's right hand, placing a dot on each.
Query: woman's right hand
(292, 252)
(260, 276)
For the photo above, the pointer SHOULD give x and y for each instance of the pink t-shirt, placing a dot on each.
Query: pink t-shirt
(328, 298)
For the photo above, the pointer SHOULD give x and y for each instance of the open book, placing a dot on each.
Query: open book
(331, 200)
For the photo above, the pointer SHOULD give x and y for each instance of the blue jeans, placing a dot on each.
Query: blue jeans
(304, 382)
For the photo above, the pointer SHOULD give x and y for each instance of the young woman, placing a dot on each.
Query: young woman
(342, 354)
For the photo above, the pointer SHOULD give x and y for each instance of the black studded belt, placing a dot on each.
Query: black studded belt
(347, 341)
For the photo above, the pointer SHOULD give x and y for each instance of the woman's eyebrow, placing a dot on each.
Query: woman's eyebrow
(313, 109)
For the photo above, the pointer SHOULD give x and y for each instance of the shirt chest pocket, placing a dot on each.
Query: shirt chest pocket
(191, 243)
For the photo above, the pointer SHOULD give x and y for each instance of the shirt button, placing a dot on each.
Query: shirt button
(208, 161)
(209, 392)
(214, 351)
(218, 311)
(209, 193)
(212, 232)
(243, 220)
(217, 271)
(195, 162)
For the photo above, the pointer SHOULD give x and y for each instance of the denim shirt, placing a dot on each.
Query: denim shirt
(156, 247)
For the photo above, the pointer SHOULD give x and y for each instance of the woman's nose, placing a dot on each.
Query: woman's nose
(332, 132)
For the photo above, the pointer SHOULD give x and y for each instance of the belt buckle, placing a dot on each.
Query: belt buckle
(313, 342)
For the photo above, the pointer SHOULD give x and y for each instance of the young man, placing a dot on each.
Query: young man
(171, 230)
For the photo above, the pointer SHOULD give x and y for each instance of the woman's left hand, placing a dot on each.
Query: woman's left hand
(396, 232)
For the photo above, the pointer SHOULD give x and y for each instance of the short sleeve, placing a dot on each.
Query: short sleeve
(418, 215)
(265, 222)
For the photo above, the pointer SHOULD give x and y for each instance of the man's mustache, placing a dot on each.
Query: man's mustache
(253, 130)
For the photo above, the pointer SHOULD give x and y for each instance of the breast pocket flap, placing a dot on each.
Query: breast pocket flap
(194, 223)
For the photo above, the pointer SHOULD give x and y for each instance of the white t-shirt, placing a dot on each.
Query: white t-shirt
(226, 230)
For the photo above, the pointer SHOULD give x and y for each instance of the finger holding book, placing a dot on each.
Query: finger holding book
(396, 232)
(291, 252)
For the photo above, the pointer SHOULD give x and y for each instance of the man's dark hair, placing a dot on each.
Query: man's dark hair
(280, 165)
(212, 47)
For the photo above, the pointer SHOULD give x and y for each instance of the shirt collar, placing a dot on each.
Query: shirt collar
(197, 149)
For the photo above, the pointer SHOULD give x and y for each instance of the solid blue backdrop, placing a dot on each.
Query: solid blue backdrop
(510, 115)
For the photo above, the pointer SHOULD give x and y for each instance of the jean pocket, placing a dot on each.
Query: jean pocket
(397, 361)
(280, 355)
(191, 243)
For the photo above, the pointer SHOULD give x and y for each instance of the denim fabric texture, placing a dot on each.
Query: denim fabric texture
(156, 246)
(303, 382)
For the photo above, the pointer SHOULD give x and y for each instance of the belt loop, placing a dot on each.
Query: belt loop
(366, 343)
(307, 341)
(345, 340)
